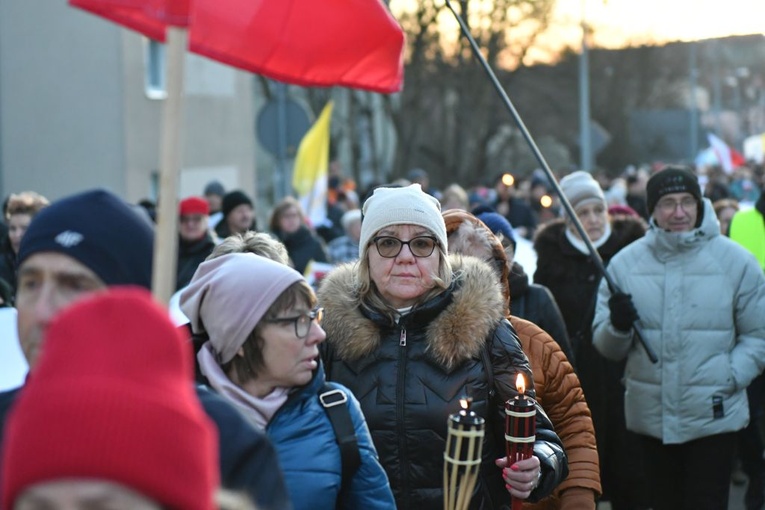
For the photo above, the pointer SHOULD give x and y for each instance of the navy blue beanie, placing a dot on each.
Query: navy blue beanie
(99, 230)
(498, 224)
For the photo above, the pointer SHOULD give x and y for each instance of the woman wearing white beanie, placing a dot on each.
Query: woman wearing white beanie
(406, 327)
(564, 266)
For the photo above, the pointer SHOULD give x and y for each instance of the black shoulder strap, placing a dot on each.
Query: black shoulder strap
(334, 402)
(487, 367)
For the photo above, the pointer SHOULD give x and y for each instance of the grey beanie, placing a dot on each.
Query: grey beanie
(580, 188)
(401, 206)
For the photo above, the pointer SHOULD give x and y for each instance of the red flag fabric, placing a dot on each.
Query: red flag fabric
(354, 43)
(148, 17)
(351, 43)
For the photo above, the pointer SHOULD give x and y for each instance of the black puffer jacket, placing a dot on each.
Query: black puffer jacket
(572, 277)
(302, 247)
(536, 304)
(409, 377)
(190, 255)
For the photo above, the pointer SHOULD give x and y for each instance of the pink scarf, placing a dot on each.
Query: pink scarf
(258, 411)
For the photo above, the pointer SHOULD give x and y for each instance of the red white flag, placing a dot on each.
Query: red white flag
(729, 158)
(351, 43)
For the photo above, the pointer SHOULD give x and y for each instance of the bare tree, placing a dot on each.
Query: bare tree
(448, 110)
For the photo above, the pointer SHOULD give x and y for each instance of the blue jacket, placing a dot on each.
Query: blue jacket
(310, 456)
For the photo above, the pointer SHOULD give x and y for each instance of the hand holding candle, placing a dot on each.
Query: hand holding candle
(520, 428)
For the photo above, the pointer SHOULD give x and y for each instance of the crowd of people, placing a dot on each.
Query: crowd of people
(267, 389)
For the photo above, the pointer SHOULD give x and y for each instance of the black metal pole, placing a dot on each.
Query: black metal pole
(546, 167)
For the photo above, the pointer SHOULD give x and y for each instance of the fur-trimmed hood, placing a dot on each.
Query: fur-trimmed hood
(457, 321)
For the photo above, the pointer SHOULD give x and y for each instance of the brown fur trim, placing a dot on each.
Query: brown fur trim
(458, 333)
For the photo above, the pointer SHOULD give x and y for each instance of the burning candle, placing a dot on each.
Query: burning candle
(520, 428)
(462, 457)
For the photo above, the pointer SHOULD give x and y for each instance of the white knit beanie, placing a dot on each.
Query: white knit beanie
(401, 206)
(580, 188)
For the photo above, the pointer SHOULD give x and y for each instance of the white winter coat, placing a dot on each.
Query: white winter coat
(701, 301)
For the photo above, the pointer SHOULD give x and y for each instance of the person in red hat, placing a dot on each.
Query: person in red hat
(84, 244)
(109, 418)
(195, 241)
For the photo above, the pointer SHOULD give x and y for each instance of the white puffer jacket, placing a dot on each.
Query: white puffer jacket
(701, 301)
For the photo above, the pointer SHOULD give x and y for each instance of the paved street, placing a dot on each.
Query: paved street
(735, 502)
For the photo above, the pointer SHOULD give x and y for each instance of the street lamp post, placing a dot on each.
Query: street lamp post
(694, 111)
(585, 142)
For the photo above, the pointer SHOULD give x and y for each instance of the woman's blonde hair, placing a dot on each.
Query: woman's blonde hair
(26, 202)
(258, 243)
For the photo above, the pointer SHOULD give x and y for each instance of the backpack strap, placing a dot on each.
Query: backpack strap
(488, 369)
(334, 402)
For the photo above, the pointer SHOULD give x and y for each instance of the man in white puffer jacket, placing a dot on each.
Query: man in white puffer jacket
(700, 299)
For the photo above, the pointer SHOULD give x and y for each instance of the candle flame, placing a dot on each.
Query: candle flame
(520, 384)
(465, 403)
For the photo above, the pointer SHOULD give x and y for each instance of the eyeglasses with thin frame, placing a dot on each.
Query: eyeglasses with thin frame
(668, 205)
(389, 247)
(302, 322)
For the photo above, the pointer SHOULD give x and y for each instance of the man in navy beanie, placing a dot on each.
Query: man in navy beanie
(85, 243)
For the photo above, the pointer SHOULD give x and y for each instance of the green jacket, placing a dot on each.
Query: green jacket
(748, 229)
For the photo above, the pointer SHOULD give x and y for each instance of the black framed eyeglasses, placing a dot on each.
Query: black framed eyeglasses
(302, 321)
(389, 246)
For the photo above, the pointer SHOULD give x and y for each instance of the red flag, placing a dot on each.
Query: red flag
(354, 43)
(148, 17)
(351, 43)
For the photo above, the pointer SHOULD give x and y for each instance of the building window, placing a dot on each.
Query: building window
(155, 70)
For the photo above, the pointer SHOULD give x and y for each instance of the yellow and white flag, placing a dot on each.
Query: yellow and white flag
(309, 177)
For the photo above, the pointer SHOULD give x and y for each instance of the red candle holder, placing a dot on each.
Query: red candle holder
(520, 429)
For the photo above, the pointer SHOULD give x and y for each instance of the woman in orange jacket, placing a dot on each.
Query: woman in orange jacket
(558, 389)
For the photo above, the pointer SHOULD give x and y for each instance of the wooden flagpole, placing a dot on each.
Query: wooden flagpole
(166, 231)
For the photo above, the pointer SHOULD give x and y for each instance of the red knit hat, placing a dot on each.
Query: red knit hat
(112, 398)
(193, 205)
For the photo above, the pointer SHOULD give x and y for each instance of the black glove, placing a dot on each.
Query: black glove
(623, 312)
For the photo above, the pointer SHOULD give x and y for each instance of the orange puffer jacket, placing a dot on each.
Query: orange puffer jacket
(558, 392)
(560, 395)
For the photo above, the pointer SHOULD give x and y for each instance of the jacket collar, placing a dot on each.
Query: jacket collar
(456, 322)
(666, 244)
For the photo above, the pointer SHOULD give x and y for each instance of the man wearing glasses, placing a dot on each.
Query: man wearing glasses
(699, 298)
